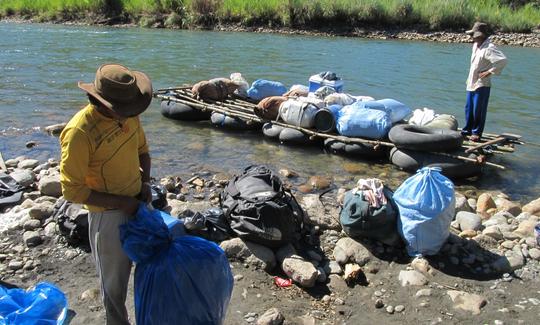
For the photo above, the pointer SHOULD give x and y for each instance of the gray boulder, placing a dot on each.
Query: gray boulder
(348, 249)
(468, 220)
(50, 185)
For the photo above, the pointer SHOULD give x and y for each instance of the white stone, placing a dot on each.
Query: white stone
(300, 271)
(423, 293)
(50, 185)
(466, 301)
(28, 164)
(412, 278)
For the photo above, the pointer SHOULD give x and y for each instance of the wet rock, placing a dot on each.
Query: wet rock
(24, 177)
(485, 202)
(28, 164)
(319, 182)
(349, 250)
(316, 213)
(50, 185)
(532, 207)
(32, 238)
(412, 278)
(271, 317)
(468, 220)
(287, 173)
(300, 271)
(508, 206)
(55, 129)
(467, 301)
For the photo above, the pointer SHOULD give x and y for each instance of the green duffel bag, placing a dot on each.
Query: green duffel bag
(360, 220)
(443, 121)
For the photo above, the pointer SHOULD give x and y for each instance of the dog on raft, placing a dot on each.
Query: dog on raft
(217, 89)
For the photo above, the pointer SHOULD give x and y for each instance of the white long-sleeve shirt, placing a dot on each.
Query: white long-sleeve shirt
(486, 57)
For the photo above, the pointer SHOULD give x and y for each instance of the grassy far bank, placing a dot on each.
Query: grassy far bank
(504, 15)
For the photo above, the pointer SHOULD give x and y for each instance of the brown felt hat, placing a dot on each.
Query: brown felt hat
(479, 29)
(126, 92)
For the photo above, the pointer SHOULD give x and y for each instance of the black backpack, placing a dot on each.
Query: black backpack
(260, 210)
(72, 220)
(360, 220)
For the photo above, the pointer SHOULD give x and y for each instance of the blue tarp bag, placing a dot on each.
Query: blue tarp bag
(426, 205)
(265, 88)
(179, 279)
(396, 111)
(43, 304)
(356, 120)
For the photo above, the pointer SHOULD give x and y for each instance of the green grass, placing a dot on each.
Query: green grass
(344, 14)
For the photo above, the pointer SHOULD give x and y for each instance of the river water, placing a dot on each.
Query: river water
(41, 64)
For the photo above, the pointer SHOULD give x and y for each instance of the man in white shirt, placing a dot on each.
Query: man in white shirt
(486, 60)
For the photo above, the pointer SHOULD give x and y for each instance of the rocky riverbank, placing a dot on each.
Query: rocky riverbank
(513, 39)
(488, 271)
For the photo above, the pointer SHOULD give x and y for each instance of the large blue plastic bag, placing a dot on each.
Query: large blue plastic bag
(426, 204)
(261, 88)
(357, 121)
(43, 304)
(396, 110)
(179, 279)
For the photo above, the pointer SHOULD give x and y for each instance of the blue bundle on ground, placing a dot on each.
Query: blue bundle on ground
(426, 204)
(43, 304)
(179, 279)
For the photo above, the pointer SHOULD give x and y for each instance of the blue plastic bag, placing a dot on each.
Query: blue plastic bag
(397, 111)
(179, 279)
(426, 204)
(356, 120)
(265, 88)
(43, 304)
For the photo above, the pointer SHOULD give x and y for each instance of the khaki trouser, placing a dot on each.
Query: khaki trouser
(113, 265)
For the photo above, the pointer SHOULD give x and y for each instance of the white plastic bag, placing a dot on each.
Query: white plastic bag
(422, 116)
(243, 85)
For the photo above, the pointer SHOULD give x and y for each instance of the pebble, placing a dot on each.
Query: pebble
(238, 277)
(379, 303)
(15, 265)
(498, 322)
(399, 308)
(390, 309)
(339, 301)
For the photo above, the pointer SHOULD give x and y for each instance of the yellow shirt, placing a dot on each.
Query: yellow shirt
(100, 154)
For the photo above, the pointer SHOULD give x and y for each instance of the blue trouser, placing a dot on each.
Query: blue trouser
(476, 111)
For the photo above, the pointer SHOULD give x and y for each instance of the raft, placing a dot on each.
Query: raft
(408, 153)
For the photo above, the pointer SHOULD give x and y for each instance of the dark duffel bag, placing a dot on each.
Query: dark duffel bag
(72, 221)
(360, 220)
(260, 210)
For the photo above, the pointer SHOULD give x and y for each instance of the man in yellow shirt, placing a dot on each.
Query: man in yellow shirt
(105, 165)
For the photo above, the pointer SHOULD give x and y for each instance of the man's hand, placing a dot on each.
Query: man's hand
(129, 205)
(146, 192)
(484, 74)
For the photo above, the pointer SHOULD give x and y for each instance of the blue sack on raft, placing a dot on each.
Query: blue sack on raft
(261, 88)
(179, 279)
(43, 304)
(356, 120)
(426, 204)
(396, 111)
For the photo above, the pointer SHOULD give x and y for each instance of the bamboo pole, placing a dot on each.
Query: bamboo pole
(310, 132)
